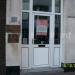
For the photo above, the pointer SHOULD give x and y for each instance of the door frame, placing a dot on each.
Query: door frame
(61, 46)
(50, 42)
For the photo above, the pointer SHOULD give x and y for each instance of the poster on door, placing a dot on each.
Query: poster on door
(41, 27)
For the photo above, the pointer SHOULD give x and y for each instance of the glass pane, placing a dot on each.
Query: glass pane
(42, 5)
(57, 29)
(25, 28)
(57, 6)
(25, 4)
(41, 29)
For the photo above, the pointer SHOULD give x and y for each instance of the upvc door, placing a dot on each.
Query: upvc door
(41, 40)
(42, 28)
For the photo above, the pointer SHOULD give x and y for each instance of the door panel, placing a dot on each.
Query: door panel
(56, 56)
(41, 56)
(25, 59)
(41, 40)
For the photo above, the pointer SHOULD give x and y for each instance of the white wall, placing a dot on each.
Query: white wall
(12, 49)
(69, 28)
(13, 10)
(12, 53)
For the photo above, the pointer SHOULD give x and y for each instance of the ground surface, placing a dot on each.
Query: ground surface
(47, 73)
(42, 71)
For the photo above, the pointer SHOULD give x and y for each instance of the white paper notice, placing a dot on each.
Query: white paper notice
(41, 27)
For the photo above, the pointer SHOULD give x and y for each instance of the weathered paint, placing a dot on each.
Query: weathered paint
(69, 29)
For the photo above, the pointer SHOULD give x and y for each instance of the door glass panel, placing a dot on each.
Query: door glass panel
(25, 28)
(25, 4)
(42, 5)
(41, 29)
(57, 6)
(57, 29)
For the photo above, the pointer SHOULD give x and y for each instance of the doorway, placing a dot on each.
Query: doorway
(41, 39)
(41, 33)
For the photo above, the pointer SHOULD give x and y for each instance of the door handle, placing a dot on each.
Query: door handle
(32, 41)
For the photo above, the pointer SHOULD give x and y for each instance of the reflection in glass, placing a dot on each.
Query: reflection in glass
(25, 28)
(57, 6)
(42, 5)
(25, 4)
(57, 29)
(41, 29)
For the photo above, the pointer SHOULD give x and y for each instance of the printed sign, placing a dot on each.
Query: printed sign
(13, 38)
(41, 27)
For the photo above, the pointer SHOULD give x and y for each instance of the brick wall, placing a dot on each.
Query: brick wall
(2, 36)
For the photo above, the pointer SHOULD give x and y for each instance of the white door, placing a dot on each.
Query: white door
(41, 40)
(41, 43)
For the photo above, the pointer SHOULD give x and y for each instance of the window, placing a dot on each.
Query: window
(42, 5)
(41, 29)
(57, 29)
(57, 6)
(25, 4)
(25, 28)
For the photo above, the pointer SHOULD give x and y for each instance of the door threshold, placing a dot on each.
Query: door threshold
(44, 69)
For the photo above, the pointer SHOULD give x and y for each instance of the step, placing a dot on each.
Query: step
(44, 69)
